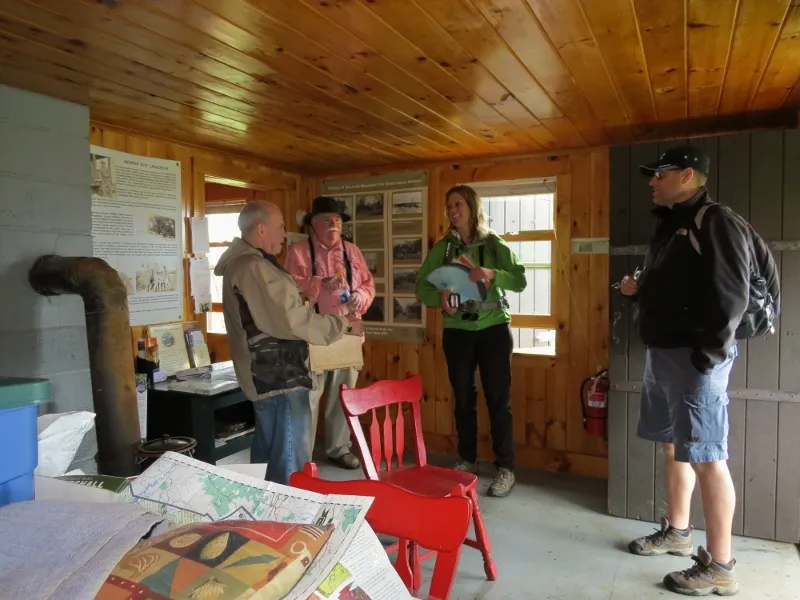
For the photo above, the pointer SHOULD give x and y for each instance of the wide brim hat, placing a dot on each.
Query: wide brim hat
(325, 205)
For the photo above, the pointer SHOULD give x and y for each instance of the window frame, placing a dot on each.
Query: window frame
(218, 208)
(556, 320)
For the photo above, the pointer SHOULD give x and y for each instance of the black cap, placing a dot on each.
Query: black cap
(683, 157)
(326, 205)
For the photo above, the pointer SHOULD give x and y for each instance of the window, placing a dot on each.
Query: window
(222, 228)
(523, 214)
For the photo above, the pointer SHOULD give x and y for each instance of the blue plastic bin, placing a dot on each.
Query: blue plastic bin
(20, 455)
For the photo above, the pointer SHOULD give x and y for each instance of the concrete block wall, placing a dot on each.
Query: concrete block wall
(45, 207)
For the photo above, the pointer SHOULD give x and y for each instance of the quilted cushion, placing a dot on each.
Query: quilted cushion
(226, 560)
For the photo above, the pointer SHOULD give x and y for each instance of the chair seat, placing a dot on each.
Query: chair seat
(429, 480)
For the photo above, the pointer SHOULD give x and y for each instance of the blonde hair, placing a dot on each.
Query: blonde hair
(478, 224)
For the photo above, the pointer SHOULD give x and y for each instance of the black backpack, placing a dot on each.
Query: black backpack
(764, 306)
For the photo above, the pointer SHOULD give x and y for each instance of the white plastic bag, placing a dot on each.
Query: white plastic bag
(60, 435)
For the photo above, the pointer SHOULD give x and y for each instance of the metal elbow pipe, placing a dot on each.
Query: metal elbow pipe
(108, 332)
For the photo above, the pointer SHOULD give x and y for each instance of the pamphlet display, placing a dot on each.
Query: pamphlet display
(137, 229)
(389, 225)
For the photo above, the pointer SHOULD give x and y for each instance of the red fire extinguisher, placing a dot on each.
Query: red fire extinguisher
(594, 403)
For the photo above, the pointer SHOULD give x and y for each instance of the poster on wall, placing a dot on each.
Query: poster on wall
(137, 228)
(390, 227)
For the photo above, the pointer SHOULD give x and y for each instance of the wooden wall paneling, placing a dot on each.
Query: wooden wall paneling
(761, 451)
(579, 298)
(787, 506)
(733, 189)
(641, 453)
(619, 235)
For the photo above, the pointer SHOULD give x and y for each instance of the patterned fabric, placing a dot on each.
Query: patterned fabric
(226, 560)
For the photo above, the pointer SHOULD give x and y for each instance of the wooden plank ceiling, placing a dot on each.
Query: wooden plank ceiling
(326, 85)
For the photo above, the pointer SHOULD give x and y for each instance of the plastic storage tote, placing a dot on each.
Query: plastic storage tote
(20, 455)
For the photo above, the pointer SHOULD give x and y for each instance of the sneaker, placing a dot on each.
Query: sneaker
(503, 483)
(346, 461)
(704, 578)
(667, 540)
(467, 467)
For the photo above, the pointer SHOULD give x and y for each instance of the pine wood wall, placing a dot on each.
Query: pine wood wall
(548, 430)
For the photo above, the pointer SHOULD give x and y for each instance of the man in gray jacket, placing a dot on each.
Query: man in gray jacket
(269, 329)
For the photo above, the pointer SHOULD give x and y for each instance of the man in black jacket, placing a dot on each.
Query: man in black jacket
(690, 298)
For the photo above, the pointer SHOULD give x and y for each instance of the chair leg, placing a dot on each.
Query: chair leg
(402, 565)
(483, 540)
(416, 566)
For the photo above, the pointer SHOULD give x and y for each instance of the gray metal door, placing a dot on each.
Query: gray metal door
(758, 175)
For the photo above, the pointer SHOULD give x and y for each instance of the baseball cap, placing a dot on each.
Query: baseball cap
(683, 157)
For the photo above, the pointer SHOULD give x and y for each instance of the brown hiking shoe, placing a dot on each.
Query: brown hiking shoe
(503, 483)
(348, 460)
(667, 540)
(467, 467)
(704, 578)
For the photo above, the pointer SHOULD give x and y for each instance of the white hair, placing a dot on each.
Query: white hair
(254, 214)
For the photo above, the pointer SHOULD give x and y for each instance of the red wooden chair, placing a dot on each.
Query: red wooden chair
(440, 524)
(420, 478)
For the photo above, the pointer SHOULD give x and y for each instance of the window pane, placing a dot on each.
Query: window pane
(216, 282)
(222, 227)
(535, 299)
(535, 341)
(511, 214)
(215, 323)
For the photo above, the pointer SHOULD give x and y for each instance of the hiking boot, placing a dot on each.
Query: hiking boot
(704, 578)
(467, 467)
(346, 461)
(503, 483)
(667, 540)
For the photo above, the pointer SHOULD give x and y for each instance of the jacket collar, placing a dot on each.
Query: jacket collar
(684, 207)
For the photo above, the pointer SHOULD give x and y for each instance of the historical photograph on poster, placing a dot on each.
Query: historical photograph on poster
(375, 262)
(407, 228)
(404, 280)
(376, 313)
(347, 231)
(407, 310)
(407, 250)
(369, 236)
(346, 203)
(407, 203)
(369, 206)
(137, 228)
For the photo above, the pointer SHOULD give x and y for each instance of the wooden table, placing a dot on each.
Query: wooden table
(189, 413)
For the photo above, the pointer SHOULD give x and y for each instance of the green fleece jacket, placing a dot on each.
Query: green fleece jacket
(509, 275)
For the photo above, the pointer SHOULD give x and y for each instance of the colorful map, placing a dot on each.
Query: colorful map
(185, 490)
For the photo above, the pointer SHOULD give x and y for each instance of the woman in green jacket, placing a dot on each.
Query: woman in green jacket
(477, 336)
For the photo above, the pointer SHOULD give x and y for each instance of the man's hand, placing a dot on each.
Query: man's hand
(629, 286)
(357, 303)
(355, 325)
(445, 302)
(477, 274)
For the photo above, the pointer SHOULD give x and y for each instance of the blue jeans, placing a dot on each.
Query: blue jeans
(685, 407)
(282, 436)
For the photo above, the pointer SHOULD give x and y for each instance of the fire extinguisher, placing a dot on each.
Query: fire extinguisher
(594, 404)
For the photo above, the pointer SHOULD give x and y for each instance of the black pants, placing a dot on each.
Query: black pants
(490, 350)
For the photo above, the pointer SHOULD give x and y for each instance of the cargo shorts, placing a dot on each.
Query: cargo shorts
(682, 406)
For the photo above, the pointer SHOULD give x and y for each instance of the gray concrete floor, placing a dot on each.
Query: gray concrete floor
(552, 539)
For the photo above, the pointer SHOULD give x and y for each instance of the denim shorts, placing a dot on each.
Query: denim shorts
(687, 408)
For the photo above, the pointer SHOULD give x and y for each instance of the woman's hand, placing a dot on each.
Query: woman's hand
(445, 302)
(481, 274)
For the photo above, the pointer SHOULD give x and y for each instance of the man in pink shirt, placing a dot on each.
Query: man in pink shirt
(334, 276)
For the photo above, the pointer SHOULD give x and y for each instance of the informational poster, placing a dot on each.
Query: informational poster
(390, 227)
(137, 228)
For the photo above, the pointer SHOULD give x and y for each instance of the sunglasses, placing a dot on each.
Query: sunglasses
(661, 173)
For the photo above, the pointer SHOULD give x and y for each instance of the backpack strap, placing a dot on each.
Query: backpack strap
(694, 235)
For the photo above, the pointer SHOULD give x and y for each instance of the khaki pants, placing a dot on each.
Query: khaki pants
(337, 432)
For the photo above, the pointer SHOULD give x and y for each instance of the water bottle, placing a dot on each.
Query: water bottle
(344, 296)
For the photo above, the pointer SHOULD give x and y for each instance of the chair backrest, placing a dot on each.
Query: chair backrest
(384, 394)
(435, 523)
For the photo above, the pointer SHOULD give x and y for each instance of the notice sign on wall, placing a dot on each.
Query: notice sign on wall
(137, 229)
(389, 225)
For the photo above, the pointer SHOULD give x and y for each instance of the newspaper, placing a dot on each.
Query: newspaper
(364, 573)
(186, 490)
